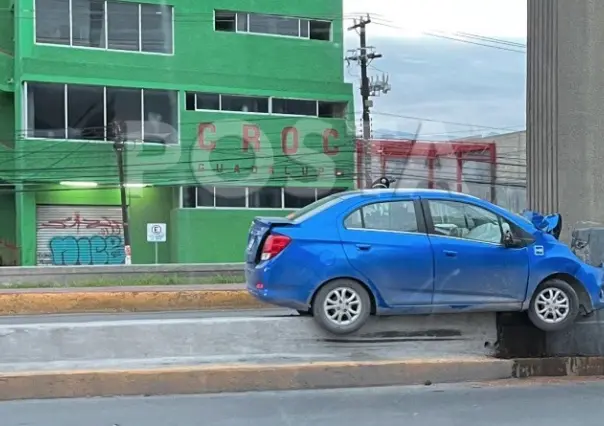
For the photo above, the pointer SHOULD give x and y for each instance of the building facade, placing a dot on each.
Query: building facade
(227, 112)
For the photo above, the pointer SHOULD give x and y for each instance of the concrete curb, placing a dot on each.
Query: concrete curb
(49, 301)
(241, 378)
(559, 367)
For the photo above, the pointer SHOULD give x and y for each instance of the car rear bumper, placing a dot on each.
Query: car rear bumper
(261, 284)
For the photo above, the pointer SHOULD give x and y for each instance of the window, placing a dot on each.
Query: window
(53, 25)
(244, 104)
(332, 109)
(230, 196)
(265, 197)
(294, 107)
(205, 196)
(125, 106)
(225, 21)
(461, 220)
(395, 216)
(116, 25)
(88, 23)
(296, 198)
(209, 101)
(189, 194)
(160, 116)
(122, 26)
(85, 112)
(273, 24)
(257, 23)
(79, 112)
(256, 197)
(46, 110)
(320, 30)
(156, 28)
(264, 105)
(322, 193)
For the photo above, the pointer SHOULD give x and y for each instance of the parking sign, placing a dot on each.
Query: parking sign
(156, 232)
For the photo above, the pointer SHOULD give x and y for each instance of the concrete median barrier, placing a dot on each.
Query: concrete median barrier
(238, 378)
(125, 299)
(258, 339)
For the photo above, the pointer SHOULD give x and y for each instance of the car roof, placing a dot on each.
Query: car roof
(420, 192)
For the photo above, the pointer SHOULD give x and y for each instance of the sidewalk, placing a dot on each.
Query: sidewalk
(65, 300)
(137, 288)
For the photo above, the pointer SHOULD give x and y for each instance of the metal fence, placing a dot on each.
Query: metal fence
(468, 167)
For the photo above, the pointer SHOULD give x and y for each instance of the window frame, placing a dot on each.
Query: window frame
(247, 197)
(71, 45)
(25, 114)
(270, 99)
(298, 18)
(419, 216)
(431, 227)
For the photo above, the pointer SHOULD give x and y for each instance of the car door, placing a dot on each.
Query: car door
(471, 265)
(387, 243)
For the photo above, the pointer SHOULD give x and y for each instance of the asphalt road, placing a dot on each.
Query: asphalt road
(494, 404)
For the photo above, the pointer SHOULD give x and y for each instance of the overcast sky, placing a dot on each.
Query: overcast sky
(451, 87)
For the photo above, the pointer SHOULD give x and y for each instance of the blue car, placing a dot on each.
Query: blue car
(417, 251)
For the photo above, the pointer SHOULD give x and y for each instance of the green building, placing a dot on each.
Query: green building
(230, 109)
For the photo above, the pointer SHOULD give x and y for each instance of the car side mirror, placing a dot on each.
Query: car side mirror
(509, 241)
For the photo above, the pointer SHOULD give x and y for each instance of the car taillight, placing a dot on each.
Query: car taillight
(274, 245)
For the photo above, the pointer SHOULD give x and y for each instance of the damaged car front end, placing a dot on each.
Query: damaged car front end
(586, 251)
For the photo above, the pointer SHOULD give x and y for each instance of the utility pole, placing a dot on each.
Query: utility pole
(363, 58)
(119, 145)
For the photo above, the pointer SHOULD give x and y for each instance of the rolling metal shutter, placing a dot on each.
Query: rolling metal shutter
(79, 235)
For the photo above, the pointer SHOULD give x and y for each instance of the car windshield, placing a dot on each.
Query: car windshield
(316, 207)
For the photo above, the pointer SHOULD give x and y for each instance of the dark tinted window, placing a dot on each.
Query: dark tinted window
(85, 112)
(397, 216)
(265, 197)
(294, 107)
(122, 26)
(46, 110)
(52, 23)
(156, 28)
(230, 196)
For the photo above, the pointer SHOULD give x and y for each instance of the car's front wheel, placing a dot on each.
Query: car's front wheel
(554, 306)
(342, 306)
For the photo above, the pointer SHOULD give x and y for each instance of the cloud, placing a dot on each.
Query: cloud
(446, 81)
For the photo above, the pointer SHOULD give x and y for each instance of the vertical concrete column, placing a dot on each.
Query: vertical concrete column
(25, 210)
(565, 109)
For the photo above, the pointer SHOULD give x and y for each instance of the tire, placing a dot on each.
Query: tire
(323, 311)
(558, 290)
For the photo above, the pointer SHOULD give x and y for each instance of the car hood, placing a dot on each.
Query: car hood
(551, 223)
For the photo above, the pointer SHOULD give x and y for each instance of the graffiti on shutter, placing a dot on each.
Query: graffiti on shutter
(79, 235)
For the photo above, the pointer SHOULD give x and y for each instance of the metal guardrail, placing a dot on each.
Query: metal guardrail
(70, 275)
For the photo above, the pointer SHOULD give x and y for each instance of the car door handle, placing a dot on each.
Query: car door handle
(363, 247)
(450, 253)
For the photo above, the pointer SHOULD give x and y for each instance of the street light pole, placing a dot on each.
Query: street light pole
(119, 146)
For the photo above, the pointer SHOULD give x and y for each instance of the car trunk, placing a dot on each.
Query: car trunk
(260, 229)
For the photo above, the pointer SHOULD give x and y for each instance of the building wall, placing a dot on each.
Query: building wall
(221, 235)
(204, 60)
(565, 97)
(146, 205)
(9, 251)
(231, 63)
(6, 45)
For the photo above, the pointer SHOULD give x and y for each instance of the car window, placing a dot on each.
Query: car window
(316, 207)
(398, 216)
(466, 221)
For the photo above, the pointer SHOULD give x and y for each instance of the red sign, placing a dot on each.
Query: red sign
(250, 139)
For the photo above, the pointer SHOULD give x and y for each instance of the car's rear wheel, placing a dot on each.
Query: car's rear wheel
(554, 306)
(342, 306)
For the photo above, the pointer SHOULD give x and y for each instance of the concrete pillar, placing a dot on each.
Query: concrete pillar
(565, 131)
(565, 109)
